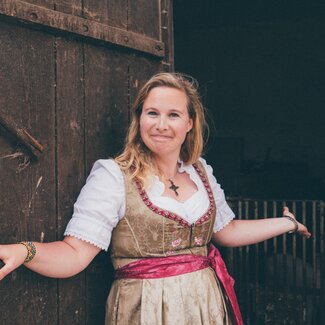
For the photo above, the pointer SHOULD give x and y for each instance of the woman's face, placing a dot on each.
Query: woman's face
(164, 121)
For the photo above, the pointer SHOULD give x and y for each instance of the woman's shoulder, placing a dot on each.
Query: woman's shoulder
(107, 168)
(205, 165)
(200, 164)
(109, 163)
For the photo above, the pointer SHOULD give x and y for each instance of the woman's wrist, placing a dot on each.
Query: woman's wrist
(30, 250)
(292, 222)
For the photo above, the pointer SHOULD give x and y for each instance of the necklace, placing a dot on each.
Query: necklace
(173, 186)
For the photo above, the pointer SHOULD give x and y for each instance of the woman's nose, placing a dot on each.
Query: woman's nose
(162, 123)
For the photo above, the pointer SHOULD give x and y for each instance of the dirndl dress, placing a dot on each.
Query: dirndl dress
(148, 232)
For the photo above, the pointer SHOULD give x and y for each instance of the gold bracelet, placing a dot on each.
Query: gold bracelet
(31, 250)
(294, 222)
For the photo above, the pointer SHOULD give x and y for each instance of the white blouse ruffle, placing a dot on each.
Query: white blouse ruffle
(101, 202)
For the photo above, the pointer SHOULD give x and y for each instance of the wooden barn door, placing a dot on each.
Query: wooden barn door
(69, 71)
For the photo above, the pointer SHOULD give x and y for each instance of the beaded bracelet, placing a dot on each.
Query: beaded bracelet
(294, 222)
(31, 250)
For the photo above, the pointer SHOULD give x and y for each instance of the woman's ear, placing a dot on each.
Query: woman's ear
(190, 125)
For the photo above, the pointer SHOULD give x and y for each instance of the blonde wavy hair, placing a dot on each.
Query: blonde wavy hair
(136, 156)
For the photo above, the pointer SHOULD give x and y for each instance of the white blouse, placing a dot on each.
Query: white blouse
(101, 202)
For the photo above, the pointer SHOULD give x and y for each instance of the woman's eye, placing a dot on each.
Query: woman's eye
(152, 113)
(174, 115)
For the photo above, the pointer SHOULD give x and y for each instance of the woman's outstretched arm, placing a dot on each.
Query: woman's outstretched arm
(60, 259)
(246, 232)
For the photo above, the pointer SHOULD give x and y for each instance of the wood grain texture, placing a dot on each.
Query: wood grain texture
(23, 137)
(60, 22)
(27, 192)
(140, 70)
(167, 35)
(73, 95)
(106, 106)
(144, 17)
(70, 163)
(50, 4)
(72, 7)
(109, 12)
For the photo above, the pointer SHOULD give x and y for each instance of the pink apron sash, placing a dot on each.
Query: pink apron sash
(162, 267)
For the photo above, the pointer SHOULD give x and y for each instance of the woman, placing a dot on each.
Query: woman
(157, 206)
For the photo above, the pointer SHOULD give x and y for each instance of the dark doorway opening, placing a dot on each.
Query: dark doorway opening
(261, 69)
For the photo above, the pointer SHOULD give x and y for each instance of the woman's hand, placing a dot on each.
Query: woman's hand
(12, 256)
(302, 229)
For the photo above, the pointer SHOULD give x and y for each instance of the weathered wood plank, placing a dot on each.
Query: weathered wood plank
(81, 27)
(140, 70)
(109, 12)
(77, 104)
(43, 3)
(167, 34)
(72, 7)
(144, 17)
(21, 135)
(106, 104)
(70, 163)
(27, 194)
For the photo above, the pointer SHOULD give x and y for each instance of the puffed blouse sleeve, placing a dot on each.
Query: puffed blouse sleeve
(99, 204)
(224, 214)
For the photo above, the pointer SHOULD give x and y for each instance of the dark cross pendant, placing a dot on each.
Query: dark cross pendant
(173, 187)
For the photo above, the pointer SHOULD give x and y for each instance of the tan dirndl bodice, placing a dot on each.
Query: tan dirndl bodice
(150, 231)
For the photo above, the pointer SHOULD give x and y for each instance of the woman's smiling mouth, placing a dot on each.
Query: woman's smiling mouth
(160, 137)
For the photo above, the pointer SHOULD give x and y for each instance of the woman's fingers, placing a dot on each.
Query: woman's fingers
(303, 231)
(286, 212)
(285, 209)
(5, 270)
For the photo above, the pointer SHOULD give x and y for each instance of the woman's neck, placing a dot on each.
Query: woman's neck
(167, 167)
